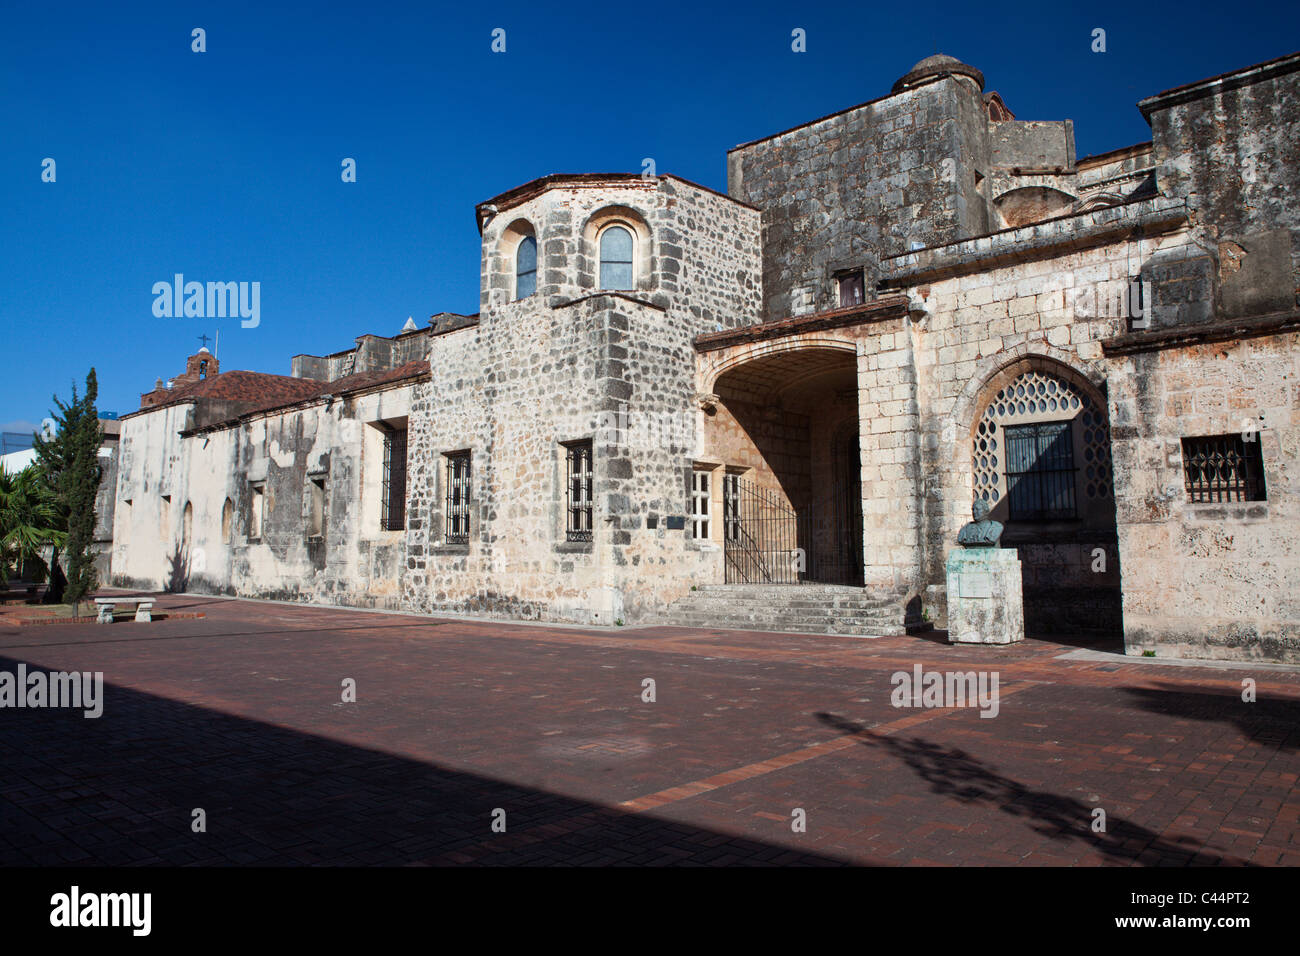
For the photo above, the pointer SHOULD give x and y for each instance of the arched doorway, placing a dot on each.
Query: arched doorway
(784, 434)
(1040, 457)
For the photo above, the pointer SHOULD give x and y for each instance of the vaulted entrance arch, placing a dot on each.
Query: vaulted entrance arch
(781, 433)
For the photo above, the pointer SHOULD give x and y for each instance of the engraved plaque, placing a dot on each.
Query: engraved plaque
(976, 584)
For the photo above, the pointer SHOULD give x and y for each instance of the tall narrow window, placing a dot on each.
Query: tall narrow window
(700, 504)
(1040, 471)
(165, 517)
(394, 490)
(458, 498)
(1224, 468)
(256, 509)
(578, 491)
(227, 519)
(851, 289)
(731, 506)
(526, 268)
(316, 506)
(616, 258)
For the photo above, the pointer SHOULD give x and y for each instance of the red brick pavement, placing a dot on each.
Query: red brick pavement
(239, 713)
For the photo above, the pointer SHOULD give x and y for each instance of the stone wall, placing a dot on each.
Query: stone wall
(608, 370)
(1209, 580)
(984, 311)
(352, 562)
(870, 181)
(571, 363)
(1232, 148)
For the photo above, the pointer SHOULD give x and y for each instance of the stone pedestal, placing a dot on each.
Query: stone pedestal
(985, 605)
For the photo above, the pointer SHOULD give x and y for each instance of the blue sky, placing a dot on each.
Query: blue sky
(225, 165)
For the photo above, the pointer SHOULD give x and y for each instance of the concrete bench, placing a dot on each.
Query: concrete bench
(105, 607)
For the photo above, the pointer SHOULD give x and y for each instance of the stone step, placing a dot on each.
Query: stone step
(779, 619)
(798, 627)
(782, 590)
(713, 614)
(836, 604)
(795, 608)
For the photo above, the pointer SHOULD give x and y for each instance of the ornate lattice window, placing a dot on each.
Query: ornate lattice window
(1052, 470)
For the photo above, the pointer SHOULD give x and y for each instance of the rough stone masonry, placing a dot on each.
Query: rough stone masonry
(897, 309)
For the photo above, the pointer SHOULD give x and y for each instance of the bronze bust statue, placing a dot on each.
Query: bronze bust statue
(982, 532)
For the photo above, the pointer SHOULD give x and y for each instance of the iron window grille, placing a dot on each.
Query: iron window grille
(1223, 468)
(394, 489)
(1040, 471)
(578, 484)
(731, 506)
(457, 524)
(700, 513)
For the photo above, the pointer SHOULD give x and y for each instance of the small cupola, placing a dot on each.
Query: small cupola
(941, 64)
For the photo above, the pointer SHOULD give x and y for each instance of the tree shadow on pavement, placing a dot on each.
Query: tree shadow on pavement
(1267, 720)
(960, 776)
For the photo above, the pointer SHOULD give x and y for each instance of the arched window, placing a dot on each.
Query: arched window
(1042, 451)
(526, 268)
(227, 520)
(616, 258)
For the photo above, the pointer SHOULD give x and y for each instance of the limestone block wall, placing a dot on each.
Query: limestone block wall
(840, 192)
(698, 252)
(974, 326)
(1232, 149)
(513, 391)
(1209, 580)
(352, 562)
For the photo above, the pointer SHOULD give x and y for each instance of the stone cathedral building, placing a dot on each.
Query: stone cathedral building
(774, 408)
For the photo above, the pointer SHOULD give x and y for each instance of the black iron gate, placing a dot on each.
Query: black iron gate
(766, 541)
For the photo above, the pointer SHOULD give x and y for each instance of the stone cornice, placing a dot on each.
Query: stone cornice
(1224, 330)
(1043, 240)
(886, 307)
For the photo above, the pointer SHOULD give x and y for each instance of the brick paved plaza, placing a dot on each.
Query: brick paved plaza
(240, 713)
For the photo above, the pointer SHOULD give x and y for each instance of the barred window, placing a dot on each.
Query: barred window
(731, 506)
(700, 504)
(394, 491)
(1040, 471)
(578, 484)
(1223, 468)
(457, 523)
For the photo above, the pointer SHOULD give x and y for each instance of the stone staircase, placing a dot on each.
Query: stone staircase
(803, 608)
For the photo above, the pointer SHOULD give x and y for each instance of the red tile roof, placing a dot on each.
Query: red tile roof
(257, 387)
(259, 392)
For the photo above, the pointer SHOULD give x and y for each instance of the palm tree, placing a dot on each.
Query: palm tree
(29, 519)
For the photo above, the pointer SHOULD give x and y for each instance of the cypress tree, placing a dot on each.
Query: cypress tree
(70, 461)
